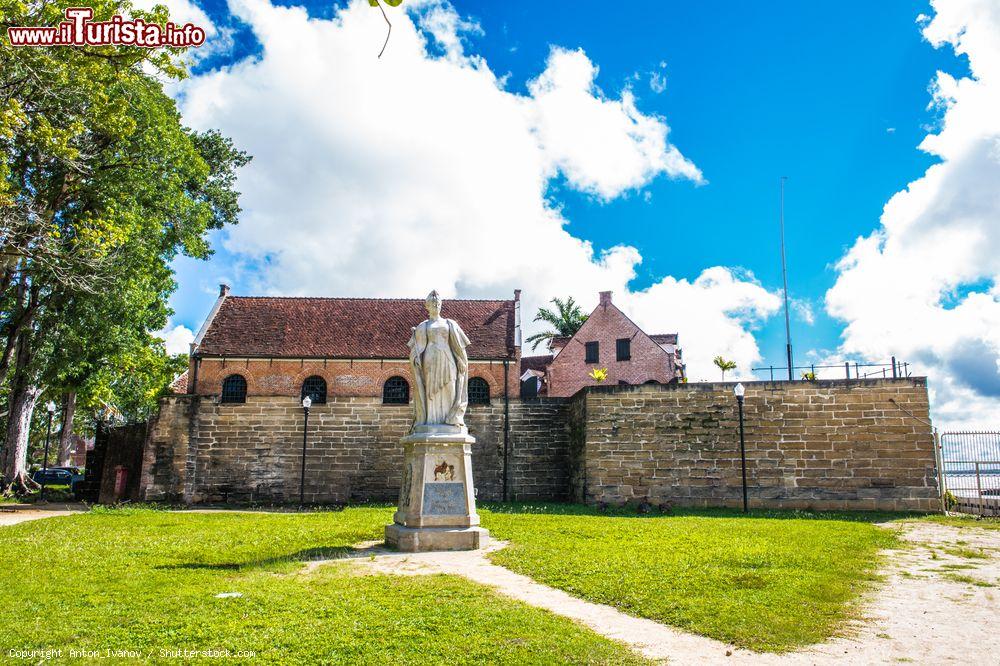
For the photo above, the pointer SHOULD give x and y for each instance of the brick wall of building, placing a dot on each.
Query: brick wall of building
(200, 451)
(284, 377)
(568, 372)
(817, 445)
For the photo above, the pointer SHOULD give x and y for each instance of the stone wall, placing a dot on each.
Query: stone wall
(200, 451)
(819, 445)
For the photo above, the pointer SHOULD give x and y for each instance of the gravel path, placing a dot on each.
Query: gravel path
(928, 610)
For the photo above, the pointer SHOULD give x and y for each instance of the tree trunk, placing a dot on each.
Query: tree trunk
(24, 393)
(65, 456)
(14, 458)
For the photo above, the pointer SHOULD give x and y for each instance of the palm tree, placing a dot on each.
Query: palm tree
(723, 364)
(566, 320)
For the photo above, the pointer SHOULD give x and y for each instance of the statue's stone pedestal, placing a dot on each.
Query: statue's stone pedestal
(437, 499)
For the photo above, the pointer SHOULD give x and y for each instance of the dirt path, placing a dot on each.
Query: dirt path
(12, 515)
(928, 610)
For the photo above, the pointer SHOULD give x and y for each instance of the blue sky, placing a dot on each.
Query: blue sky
(836, 98)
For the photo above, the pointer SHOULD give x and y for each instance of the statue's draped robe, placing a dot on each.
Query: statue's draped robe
(440, 372)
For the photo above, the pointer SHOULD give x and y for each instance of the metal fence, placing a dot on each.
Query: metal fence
(970, 470)
(845, 370)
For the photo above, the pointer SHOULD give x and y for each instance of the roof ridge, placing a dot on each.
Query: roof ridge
(366, 298)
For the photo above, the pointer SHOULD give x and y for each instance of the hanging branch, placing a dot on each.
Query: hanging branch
(391, 3)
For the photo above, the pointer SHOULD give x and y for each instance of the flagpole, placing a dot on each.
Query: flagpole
(784, 281)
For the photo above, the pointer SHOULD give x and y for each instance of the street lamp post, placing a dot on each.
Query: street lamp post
(306, 403)
(50, 407)
(740, 392)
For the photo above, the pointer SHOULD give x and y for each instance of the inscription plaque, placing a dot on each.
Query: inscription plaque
(444, 499)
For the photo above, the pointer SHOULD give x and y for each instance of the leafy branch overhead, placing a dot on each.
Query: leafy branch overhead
(391, 3)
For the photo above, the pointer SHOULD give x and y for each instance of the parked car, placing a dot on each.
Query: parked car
(59, 476)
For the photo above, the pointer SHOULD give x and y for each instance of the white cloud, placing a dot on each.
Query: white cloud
(657, 82)
(392, 176)
(603, 146)
(924, 285)
(177, 339)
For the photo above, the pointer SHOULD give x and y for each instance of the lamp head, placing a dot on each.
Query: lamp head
(50, 407)
(306, 402)
(739, 391)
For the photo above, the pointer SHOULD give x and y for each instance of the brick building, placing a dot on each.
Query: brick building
(607, 340)
(349, 347)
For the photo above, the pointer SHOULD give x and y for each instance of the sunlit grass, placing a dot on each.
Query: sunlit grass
(148, 581)
(772, 581)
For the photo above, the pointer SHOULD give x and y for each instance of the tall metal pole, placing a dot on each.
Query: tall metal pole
(743, 455)
(45, 458)
(305, 434)
(784, 282)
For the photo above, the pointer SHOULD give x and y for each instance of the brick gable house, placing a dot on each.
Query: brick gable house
(607, 340)
(274, 346)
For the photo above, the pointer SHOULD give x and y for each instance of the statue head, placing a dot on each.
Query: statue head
(433, 304)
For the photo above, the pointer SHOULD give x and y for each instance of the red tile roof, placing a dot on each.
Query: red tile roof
(180, 383)
(274, 327)
(535, 362)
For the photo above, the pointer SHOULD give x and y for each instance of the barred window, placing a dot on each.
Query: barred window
(396, 391)
(479, 391)
(593, 352)
(234, 389)
(315, 388)
(623, 349)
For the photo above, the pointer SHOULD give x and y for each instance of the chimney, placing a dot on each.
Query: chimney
(605, 298)
(223, 290)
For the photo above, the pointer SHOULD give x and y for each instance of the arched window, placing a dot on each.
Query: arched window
(396, 391)
(234, 389)
(315, 388)
(479, 391)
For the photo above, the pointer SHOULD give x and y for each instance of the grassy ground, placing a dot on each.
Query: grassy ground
(770, 582)
(147, 581)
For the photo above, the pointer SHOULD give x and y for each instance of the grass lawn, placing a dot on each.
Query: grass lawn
(147, 581)
(770, 582)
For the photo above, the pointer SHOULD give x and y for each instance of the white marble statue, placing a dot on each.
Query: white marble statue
(440, 369)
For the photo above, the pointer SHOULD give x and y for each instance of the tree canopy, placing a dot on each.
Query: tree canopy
(565, 321)
(101, 187)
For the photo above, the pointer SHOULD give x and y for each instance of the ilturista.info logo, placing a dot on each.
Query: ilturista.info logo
(79, 30)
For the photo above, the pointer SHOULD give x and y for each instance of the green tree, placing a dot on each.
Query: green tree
(101, 187)
(566, 320)
(724, 365)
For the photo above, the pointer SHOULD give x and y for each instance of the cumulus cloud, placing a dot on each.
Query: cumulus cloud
(392, 176)
(924, 285)
(177, 339)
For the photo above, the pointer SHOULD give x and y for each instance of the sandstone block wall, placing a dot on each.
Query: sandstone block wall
(821, 445)
(200, 451)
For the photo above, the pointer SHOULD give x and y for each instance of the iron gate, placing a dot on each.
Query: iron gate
(970, 470)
